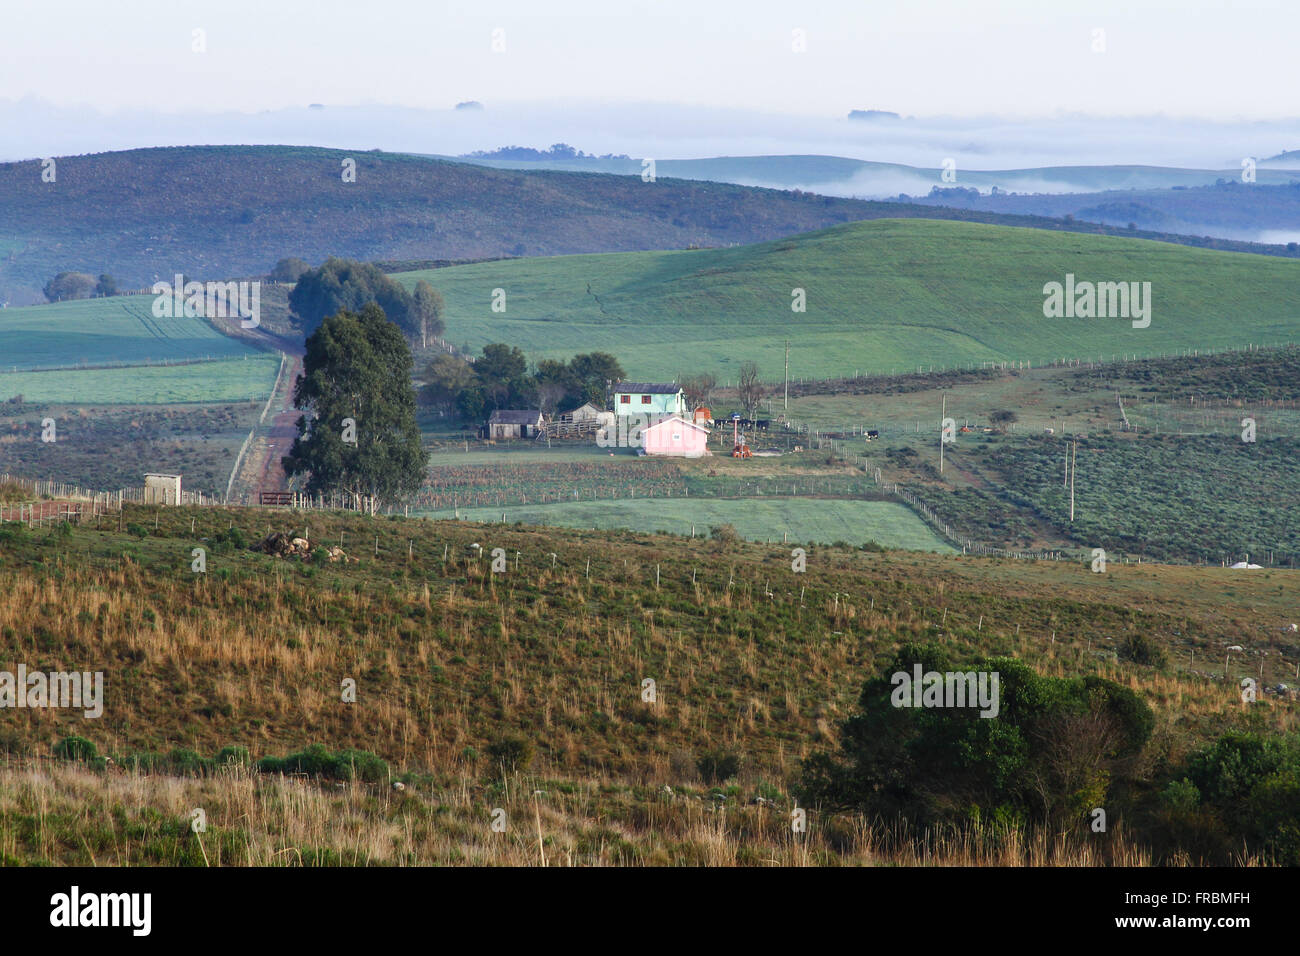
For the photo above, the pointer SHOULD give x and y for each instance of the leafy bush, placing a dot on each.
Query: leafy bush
(76, 748)
(317, 761)
(1050, 754)
(717, 766)
(187, 762)
(514, 753)
(1242, 789)
(232, 755)
(14, 533)
(724, 534)
(1141, 649)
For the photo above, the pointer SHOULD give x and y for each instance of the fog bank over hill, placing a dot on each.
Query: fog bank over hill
(35, 129)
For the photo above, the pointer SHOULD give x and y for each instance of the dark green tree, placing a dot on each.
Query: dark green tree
(592, 374)
(357, 367)
(444, 379)
(70, 285)
(342, 284)
(1050, 754)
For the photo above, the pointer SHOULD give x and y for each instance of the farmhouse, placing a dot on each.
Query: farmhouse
(514, 423)
(675, 437)
(648, 398)
(162, 489)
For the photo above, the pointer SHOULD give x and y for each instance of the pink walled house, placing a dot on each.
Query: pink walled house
(676, 437)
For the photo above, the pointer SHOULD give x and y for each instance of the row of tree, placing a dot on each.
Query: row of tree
(501, 378)
(79, 285)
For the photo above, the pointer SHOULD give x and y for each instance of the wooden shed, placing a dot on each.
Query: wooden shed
(514, 423)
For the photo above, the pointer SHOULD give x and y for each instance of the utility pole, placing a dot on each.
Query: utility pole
(787, 375)
(943, 413)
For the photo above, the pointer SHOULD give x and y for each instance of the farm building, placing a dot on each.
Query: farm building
(588, 413)
(514, 423)
(675, 437)
(642, 398)
(703, 416)
(162, 489)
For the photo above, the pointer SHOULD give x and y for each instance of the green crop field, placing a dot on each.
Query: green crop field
(882, 296)
(118, 329)
(803, 520)
(230, 380)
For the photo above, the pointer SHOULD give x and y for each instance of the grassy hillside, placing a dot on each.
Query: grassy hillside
(230, 380)
(116, 330)
(229, 211)
(523, 690)
(882, 297)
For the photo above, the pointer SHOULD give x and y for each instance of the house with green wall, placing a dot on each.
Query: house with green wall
(649, 398)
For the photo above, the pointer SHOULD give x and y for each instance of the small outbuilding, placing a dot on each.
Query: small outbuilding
(675, 437)
(514, 423)
(162, 489)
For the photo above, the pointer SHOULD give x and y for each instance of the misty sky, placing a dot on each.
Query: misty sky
(1181, 58)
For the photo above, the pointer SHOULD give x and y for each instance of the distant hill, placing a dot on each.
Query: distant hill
(840, 176)
(882, 297)
(1230, 209)
(220, 212)
(233, 211)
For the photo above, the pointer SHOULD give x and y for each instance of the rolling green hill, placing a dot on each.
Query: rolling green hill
(114, 351)
(115, 330)
(882, 296)
(216, 212)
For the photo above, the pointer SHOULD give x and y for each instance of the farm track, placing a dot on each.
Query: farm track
(272, 437)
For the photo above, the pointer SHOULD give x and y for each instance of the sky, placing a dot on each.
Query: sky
(1211, 59)
(991, 83)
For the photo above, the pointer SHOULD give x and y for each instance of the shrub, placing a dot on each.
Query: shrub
(1053, 751)
(360, 765)
(76, 748)
(317, 761)
(1141, 649)
(724, 534)
(14, 532)
(717, 766)
(232, 755)
(187, 762)
(514, 753)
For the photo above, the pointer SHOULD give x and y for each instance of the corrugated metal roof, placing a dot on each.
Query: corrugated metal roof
(648, 388)
(514, 416)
